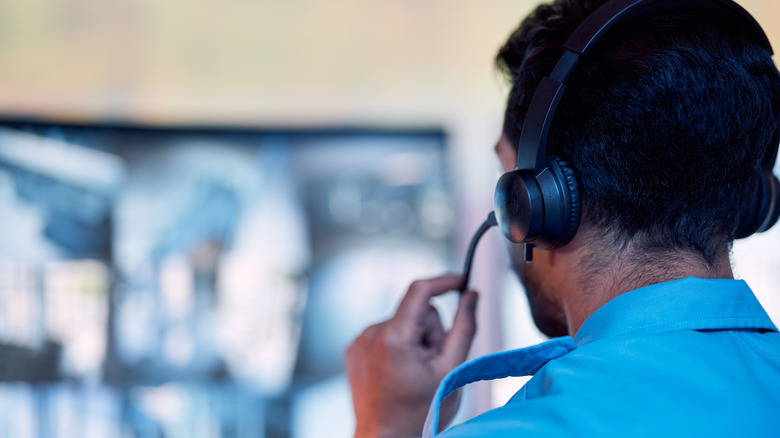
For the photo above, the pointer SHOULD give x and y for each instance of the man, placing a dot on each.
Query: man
(669, 124)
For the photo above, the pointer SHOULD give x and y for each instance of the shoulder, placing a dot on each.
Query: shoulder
(697, 382)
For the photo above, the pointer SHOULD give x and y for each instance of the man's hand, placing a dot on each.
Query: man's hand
(394, 367)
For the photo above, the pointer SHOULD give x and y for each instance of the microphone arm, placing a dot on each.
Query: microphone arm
(489, 222)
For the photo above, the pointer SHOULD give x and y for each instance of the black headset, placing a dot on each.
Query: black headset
(539, 203)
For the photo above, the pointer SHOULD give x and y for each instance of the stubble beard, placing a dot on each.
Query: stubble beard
(548, 316)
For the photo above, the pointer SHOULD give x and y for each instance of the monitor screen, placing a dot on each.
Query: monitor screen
(163, 281)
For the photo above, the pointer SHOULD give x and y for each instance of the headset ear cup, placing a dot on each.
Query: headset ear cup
(572, 206)
(752, 212)
(772, 201)
(763, 208)
(519, 206)
(544, 209)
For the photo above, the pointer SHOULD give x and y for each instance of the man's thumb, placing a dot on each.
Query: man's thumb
(458, 340)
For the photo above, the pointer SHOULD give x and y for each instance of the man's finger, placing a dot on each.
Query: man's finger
(432, 335)
(458, 340)
(415, 304)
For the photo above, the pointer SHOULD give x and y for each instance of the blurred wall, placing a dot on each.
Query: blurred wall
(271, 61)
(288, 62)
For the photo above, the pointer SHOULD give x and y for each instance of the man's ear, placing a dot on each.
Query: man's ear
(506, 154)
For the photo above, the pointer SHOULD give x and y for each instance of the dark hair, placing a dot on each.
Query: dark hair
(666, 123)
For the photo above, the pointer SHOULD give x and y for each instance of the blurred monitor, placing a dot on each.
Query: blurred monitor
(203, 281)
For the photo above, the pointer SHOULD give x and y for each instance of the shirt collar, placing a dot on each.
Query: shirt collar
(687, 304)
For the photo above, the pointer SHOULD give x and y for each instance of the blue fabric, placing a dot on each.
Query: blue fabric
(685, 358)
(523, 362)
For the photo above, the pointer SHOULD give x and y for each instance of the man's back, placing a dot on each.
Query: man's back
(656, 362)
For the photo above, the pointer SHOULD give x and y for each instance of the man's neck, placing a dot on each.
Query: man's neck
(617, 273)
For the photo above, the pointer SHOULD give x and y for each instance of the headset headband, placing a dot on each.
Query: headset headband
(531, 152)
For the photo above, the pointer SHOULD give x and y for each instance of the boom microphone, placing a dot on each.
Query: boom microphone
(489, 222)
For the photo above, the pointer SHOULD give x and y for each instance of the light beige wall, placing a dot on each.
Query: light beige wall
(289, 62)
(268, 62)
(272, 61)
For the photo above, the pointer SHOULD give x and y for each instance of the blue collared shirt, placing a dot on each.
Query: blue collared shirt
(686, 358)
